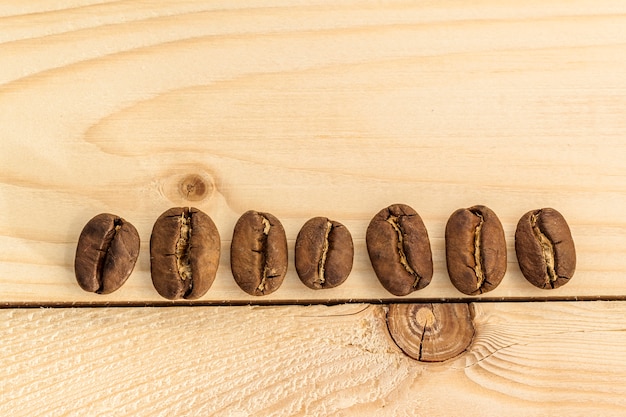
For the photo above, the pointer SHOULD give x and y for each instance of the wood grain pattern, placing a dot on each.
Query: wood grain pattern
(316, 108)
(527, 359)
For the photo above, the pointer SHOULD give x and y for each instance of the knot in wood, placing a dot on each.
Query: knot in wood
(194, 187)
(425, 317)
(431, 332)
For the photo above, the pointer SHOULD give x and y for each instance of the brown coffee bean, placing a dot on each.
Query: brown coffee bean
(106, 253)
(258, 253)
(184, 253)
(545, 248)
(475, 250)
(324, 253)
(399, 249)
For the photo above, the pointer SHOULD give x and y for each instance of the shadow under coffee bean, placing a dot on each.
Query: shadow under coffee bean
(475, 250)
(545, 248)
(184, 253)
(258, 253)
(106, 253)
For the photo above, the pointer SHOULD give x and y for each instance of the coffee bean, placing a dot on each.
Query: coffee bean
(106, 253)
(545, 248)
(184, 253)
(475, 250)
(324, 253)
(258, 253)
(399, 249)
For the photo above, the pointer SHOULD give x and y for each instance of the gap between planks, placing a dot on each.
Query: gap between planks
(286, 303)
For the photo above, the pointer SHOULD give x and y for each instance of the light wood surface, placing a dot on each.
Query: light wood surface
(303, 109)
(527, 359)
(317, 108)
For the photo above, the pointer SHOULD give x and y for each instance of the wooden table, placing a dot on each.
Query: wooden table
(335, 109)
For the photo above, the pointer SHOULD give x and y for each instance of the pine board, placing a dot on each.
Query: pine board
(304, 109)
(527, 359)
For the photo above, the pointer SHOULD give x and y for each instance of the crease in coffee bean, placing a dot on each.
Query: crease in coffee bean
(393, 221)
(325, 247)
(479, 269)
(547, 249)
(182, 248)
(106, 251)
(265, 270)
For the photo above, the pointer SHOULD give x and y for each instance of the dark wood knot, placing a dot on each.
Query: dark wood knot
(431, 332)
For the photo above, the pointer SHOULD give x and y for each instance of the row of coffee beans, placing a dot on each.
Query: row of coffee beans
(476, 259)
(185, 251)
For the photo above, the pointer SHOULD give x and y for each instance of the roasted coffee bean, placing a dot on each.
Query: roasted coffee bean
(258, 253)
(324, 253)
(545, 248)
(106, 253)
(184, 253)
(475, 250)
(399, 249)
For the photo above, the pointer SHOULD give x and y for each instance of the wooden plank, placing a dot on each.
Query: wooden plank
(527, 359)
(320, 108)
